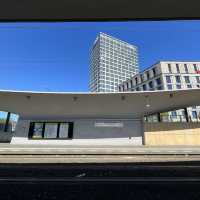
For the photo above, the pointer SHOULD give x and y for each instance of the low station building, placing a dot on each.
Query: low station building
(97, 118)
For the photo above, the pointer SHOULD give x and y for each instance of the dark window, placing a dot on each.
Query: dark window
(178, 86)
(154, 71)
(194, 114)
(119, 89)
(158, 81)
(159, 88)
(198, 79)
(178, 79)
(168, 79)
(186, 68)
(195, 67)
(136, 81)
(127, 85)
(169, 87)
(169, 68)
(51, 130)
(187, 79)
(131, 81)
(137, 89)
(174, 114)
(141, 77)
(189, 86)
(148, 76)
(177, 68)
(151, 85)
(144, 87)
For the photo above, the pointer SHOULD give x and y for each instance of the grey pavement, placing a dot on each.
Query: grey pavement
(6, 149)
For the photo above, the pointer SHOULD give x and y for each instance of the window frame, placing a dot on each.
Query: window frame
(70, 130)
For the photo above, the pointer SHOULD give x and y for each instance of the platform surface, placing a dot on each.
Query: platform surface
(90, 154)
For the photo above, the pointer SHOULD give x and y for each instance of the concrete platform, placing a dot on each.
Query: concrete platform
(91, 154)
(10, 149)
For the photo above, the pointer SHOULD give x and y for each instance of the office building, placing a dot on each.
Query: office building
(112, 61)
(168, 75)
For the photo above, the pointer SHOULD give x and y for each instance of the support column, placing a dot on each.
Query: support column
(7, 122)
(186, 115)
(159, 117)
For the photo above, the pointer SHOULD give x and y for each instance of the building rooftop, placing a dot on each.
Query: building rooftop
(119, 40)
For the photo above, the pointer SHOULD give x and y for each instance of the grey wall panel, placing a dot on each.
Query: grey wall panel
(84, 129)
(5, 136)
(22, 128)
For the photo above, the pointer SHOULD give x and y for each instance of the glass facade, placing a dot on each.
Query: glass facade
(3, 117)
(51, 130)
(64, 129)
(38, 130)
(8, 121)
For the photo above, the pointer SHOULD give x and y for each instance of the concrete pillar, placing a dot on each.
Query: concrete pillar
(159, 117)
(7, 122)
(186, 115)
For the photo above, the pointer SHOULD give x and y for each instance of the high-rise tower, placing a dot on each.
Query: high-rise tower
(112, 61)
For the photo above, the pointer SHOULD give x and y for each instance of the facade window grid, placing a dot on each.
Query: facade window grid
(193, 80)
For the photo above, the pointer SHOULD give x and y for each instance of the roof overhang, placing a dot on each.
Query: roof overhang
(52, 105)
(70, 10)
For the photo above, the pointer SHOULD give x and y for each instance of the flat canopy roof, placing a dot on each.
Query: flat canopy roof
(52, 105)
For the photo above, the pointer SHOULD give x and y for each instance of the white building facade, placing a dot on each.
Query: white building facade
(112, 61)
(168, 75)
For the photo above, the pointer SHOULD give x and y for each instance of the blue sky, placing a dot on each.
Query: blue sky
(55, 56)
